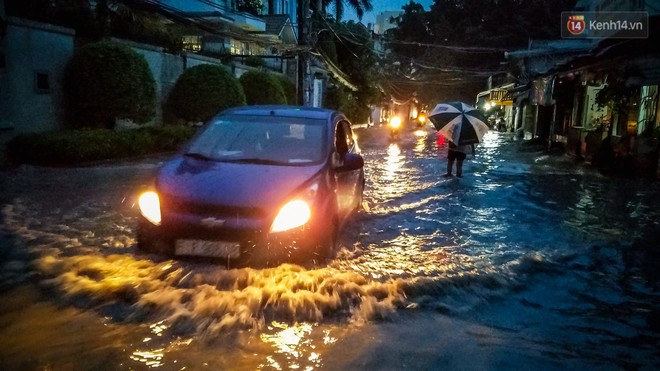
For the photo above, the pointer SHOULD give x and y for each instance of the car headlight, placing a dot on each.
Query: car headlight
(150, 207)
(296, 212)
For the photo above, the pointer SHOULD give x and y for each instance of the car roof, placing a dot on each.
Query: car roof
(282, 110)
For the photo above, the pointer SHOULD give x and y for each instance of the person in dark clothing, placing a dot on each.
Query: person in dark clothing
(457, 154)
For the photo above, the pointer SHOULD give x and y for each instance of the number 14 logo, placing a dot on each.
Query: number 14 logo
(576, 24)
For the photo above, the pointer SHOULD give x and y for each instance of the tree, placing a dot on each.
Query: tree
(349, 46)
(457, 44)
(288, 87)
(412, 29)
(250, 6)
(360, 7)
(202, 91)
(106, 81)
(262, 87)
(127, 19)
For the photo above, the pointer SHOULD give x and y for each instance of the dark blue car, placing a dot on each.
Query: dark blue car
(257, 182)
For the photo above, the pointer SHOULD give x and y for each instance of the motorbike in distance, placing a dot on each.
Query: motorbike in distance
(421, 120)
(395, 127)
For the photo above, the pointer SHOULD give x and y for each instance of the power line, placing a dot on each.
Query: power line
(465, 49)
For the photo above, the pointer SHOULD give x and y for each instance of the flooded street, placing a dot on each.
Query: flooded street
(529, 261)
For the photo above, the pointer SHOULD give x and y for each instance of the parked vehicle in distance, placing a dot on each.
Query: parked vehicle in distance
(258, 182)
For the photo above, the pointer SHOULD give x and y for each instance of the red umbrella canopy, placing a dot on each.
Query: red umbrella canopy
(459, 122)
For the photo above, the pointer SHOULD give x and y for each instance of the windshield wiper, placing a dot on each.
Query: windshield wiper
(198, 156)
(255, 160)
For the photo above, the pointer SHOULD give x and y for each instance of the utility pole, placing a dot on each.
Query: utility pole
(303, 60)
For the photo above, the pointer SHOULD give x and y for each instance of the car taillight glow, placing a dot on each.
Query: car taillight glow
(150, 207)
(294, 214)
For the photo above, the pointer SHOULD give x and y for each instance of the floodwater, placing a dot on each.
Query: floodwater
(529, 261)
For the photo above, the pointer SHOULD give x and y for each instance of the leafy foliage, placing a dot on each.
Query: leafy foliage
(255, 61)
(96, 20)
(202, 91)
(289, 89)
(106, 81)
(250, 6)
(262, 87)
(360, 6)
(82, 146)
(451, 49)
(351, 49)
(336, 98)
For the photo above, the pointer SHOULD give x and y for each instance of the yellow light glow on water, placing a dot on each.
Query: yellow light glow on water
(394, 161)
(327, 339)
(151, 359)
(292, 215)
(158, 328)
(292, 342)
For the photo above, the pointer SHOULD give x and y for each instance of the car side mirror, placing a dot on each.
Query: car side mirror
(352, 161)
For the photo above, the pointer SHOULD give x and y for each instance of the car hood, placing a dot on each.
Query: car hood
(232, 184)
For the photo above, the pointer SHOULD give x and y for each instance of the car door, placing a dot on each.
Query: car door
(349, 182)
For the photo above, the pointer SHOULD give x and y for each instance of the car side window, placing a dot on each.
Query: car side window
(349, 136)
(341, 138)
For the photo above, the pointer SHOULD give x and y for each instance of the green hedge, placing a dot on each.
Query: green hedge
(203, 91)
(77, 147)
(262, 87)
(106, 81)
(289, 89)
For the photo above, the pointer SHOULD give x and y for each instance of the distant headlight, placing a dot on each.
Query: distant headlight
(150, 207)
(292, 215)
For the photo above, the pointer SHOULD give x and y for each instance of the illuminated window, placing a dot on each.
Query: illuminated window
(192, 43)
(236, 47)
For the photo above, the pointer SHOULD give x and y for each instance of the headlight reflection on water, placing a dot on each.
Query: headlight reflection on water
(293, 343)
(394, 162)
(151, 358)
(408, 256)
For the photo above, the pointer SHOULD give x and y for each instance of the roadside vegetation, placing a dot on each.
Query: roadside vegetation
(79, 147)
(262, 87)
(201, 92)
(107, 82)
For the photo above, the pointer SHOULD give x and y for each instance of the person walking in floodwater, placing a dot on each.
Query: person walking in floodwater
(457, 154)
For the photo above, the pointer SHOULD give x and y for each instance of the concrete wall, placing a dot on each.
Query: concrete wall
(32, 49)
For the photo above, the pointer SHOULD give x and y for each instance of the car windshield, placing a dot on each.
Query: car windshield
(261, 140)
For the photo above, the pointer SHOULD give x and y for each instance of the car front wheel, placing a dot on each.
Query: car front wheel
(327, 249)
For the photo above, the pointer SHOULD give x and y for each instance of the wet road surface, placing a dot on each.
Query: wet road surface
(529, 261)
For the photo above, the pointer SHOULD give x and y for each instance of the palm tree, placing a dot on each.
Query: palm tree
(360, 7)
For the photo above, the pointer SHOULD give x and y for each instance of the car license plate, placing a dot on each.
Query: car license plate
(216, 249)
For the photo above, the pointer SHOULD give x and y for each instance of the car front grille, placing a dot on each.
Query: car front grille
(203, 209)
